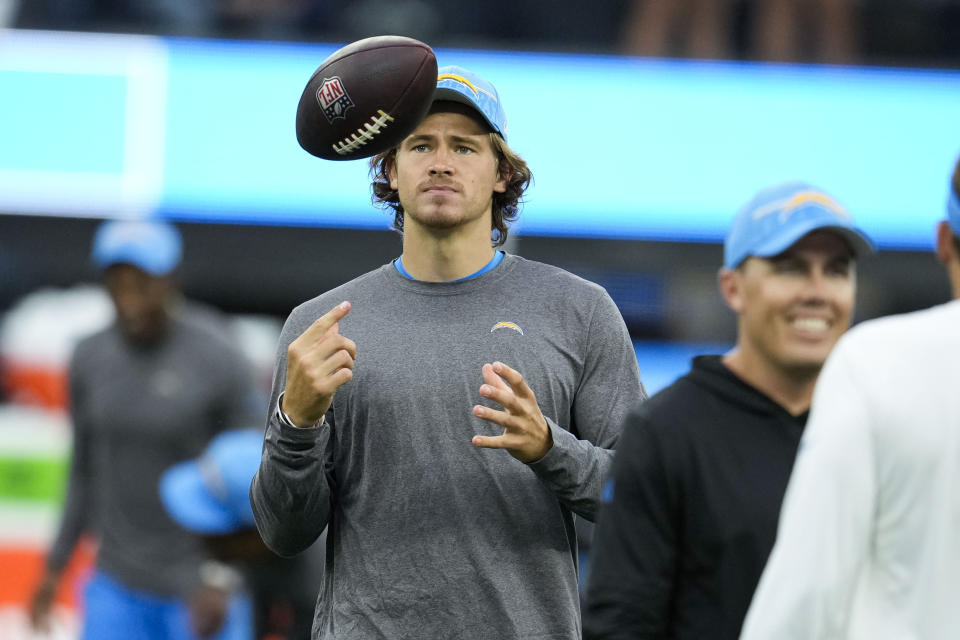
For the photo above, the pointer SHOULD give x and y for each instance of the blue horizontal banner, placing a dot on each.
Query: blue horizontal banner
(619, 147)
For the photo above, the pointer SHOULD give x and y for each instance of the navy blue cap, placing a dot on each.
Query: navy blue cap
(463, 86)
(210, 494)
(777, 217)
(151, 245)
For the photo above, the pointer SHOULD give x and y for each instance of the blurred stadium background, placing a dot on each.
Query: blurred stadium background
(185, 110)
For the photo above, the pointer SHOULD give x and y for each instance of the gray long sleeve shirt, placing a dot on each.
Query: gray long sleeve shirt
(429, 536)
(137, 411)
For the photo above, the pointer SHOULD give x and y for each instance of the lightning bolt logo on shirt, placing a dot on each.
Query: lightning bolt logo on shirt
(507, 325)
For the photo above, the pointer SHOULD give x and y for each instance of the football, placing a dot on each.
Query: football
(366, 97)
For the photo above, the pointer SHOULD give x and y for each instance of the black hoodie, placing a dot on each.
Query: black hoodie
(700, 471)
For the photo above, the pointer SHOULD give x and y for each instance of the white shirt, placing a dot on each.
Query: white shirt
(869, 536)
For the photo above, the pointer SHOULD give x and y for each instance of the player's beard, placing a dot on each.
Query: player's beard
(445, 217)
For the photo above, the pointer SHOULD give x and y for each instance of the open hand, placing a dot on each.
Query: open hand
(525, 432)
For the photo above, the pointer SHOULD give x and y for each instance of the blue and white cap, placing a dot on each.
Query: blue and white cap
(151, 245)
(460, 85)
(953, 210)
(777, 217)
(211, 494)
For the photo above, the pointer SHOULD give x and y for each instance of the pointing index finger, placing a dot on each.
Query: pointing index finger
(319, 328)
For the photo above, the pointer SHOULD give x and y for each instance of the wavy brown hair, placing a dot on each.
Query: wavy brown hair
(956, 191)
(506, 205)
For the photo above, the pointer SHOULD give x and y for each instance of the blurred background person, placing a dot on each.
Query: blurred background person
(828, 31)
(778, 30)
(145, 393)
(276, 19)
(662, 28)
(210, 495)
(817, 30)
(702, 466)
(868, 539)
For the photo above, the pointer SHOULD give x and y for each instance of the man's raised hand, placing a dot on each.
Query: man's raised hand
(525, 432)
(319, 362)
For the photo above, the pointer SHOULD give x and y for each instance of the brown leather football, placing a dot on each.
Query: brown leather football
(366, 97)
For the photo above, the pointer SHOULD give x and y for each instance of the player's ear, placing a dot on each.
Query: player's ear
(504, 166)
(391, 162)
(503, 178)
(731, 287)
(945, 247)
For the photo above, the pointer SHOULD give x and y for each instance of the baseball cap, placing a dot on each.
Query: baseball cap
(210, 494)
(953, 210)
(151, 245)
(460, 85)
(780, 215)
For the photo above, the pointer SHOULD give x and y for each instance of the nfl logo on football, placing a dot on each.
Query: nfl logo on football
(333, 98)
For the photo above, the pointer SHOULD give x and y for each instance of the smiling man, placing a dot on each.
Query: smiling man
(868, 541)
(449, 459)
(702, 466)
